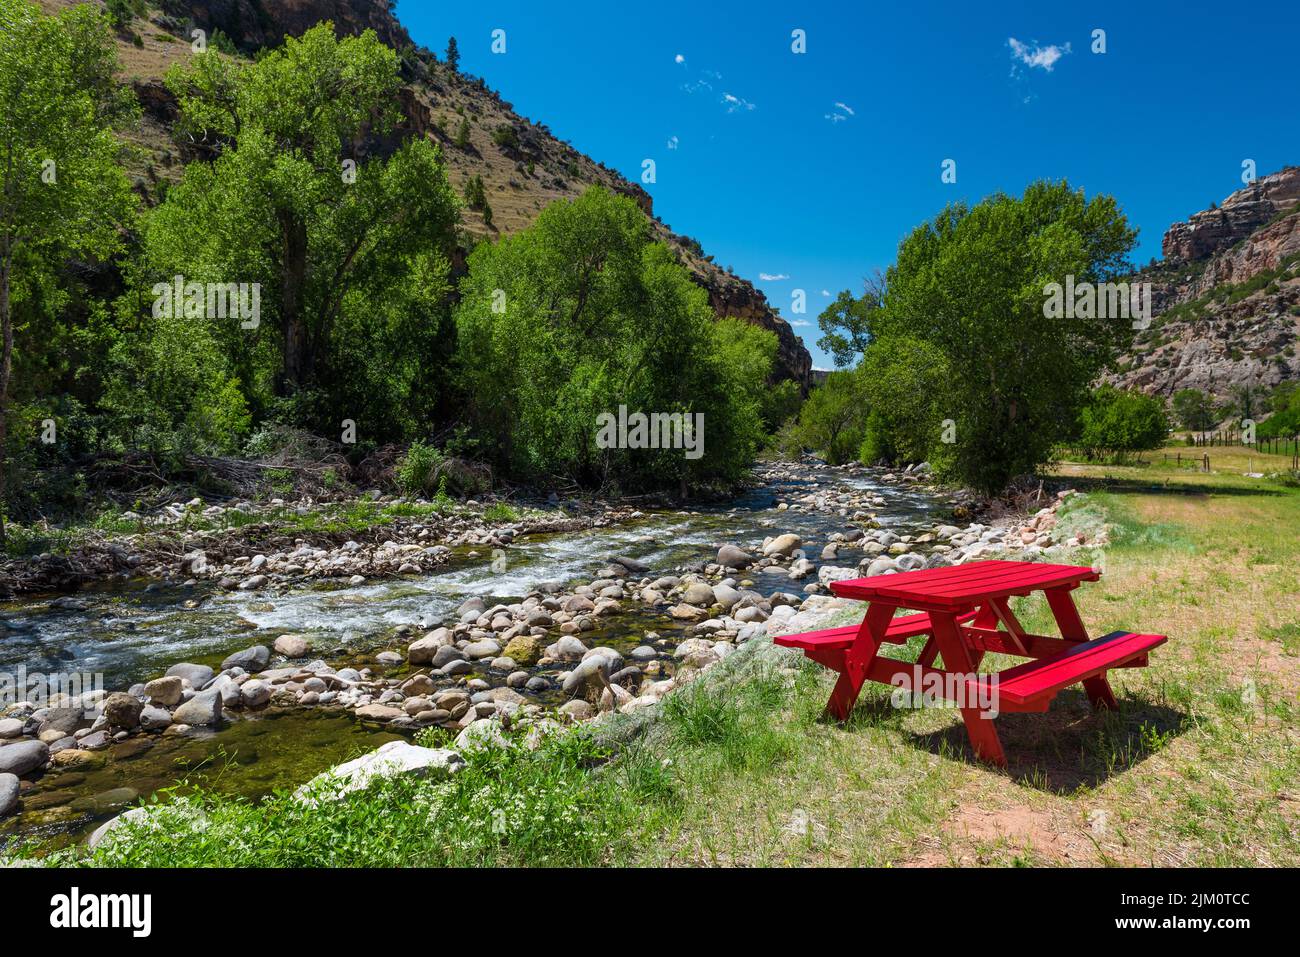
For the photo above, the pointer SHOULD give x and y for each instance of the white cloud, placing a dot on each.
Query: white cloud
(772, 277)
(826, 293)
(672, 142)
(679, 59)
(840, 113)
(735, 103)
(800, 323)
(1035, 56)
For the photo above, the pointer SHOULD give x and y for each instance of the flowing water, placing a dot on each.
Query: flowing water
(132, 632)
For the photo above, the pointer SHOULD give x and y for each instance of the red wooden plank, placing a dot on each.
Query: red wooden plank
(1036, 679)
(962, 583)
(899, 630)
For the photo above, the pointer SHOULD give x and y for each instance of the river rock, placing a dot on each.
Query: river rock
(733, 556)
(525, 650)
(422, 652)
(292, 646)
(24, 757)
(880, 566)
(201, 710)
(576, 710)
(587, 671)
(782, 545)
(379, 712)
(252, 659)
(8, 794)
(122, 711)
(155, 718)
(698, 593)
(165, 691)
(389, 760)
(832, 573)
(254, 694)
(482, 735)
(10, 728)
(196, 675)
(487, 648)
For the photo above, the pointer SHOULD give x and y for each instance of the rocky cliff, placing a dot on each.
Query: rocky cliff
(1227, 296)
(520, 179)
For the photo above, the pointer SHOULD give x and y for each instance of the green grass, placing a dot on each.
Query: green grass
(507, 807)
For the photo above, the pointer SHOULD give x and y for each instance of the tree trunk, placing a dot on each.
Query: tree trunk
(297, 341)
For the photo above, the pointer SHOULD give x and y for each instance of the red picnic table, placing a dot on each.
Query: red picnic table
(960, 609)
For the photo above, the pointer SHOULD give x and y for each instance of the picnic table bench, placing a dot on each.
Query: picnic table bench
(964, 612)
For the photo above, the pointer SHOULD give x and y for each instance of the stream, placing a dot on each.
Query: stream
(131, 632)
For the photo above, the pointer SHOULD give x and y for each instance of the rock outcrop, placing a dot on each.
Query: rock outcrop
(1226, 297)
(1212, 230)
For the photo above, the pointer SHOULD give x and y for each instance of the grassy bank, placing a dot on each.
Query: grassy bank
(1199, 766)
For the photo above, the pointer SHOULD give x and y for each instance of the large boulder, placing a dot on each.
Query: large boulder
(122, 711)
(389, 760)
(252, 659)
(24, 757)
(202, 710)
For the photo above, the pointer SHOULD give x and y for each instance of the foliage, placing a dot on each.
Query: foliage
(972, 284)
(834, 416)
(846, 325)
(509, 806)
(582, 313)
(901, 378)
(1118, 422)
(1285, 420)
(1193, 409)
(62, 193)
(353, 269)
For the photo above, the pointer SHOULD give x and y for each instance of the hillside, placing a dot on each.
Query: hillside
(523, 170)
(1226, 296)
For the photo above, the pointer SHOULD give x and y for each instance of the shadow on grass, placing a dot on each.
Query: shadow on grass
(1059, 751)
(1185, 487)
(1070, 746)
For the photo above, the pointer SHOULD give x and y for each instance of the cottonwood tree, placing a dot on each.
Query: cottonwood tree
(288, 202)
(846, 323)
(971, 284)
(62, 193)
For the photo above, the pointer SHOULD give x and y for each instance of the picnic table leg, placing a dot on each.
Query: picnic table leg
(957, 659)
(858, 658)
(1067, 619)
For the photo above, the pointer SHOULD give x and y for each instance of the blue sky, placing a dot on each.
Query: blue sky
(812, 166)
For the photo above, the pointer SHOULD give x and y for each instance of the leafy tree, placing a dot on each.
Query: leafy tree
(972, 284)
(505, 137)
(61, 191)
(1117, 422)
(1193, 409)
(581, 313)
(846, 324)
(462, 133)
(833, 417)
(332, 244)
(453, 54)
(901, 378)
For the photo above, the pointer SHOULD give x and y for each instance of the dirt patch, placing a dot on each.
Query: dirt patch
(975, 835)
